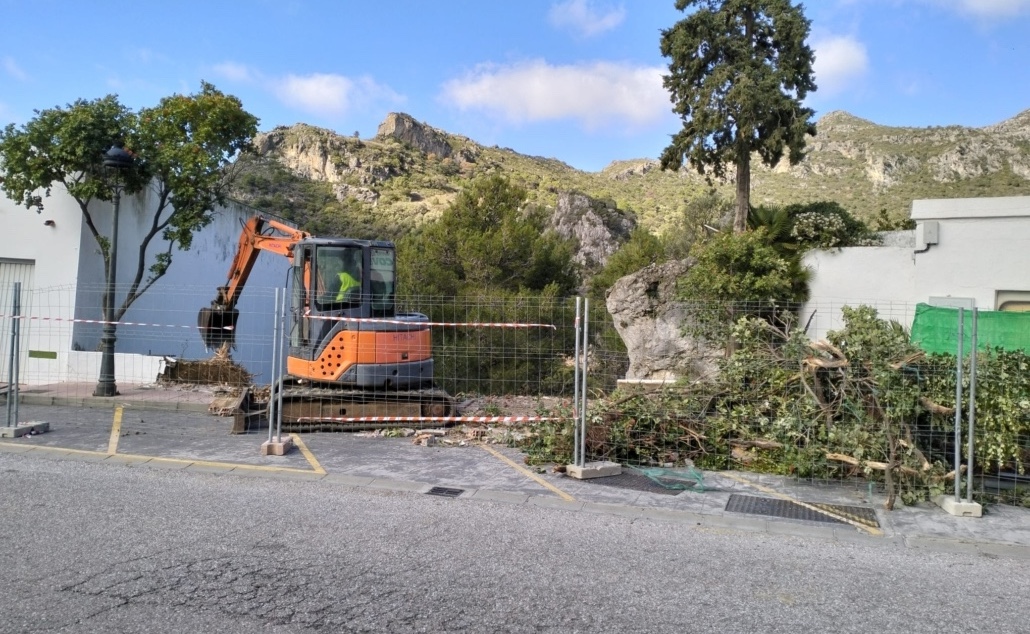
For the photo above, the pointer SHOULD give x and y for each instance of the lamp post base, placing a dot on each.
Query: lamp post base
(106, 385)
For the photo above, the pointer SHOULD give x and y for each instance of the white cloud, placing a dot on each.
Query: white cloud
(584, 18)
(148, 56)
(11, 68)
(596, 94)
(839, 62)
(327, 94)
(986, 10)
(235, 72)
(991, 9)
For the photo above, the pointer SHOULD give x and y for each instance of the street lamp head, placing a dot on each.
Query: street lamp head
(118, 159)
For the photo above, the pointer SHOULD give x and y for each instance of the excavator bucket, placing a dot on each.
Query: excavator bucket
(217, 326)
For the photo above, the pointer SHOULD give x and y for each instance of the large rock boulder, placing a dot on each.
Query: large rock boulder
(598, 227)
(650, 321)
(405, 129)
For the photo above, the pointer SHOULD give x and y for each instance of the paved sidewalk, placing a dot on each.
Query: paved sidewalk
(169, 428)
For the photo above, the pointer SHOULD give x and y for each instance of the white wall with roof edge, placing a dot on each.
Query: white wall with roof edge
(982, 249)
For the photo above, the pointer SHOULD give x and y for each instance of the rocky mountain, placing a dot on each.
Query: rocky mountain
(410, 171)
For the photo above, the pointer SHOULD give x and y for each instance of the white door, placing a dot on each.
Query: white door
(12, 271)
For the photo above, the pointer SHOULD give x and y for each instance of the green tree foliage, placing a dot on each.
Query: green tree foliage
(487, 240)
(739, 71)
(642, 249)
(737, 274)
(490, 259)
(794, 229)
(700, 216)
(184, 149)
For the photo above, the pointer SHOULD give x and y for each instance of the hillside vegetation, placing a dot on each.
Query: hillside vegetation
(410, 172)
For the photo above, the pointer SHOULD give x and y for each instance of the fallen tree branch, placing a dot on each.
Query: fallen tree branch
(882, 466)
(897, 365)
(827, 364)
(872, 464)
(825, 346)
(759, 444)
(934, 408)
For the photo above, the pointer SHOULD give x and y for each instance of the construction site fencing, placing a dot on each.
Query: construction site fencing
(832, 393)
(838, 392)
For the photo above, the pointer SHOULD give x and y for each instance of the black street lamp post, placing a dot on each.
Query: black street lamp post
(116, 160)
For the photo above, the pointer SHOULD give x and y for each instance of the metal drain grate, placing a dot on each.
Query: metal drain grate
(774, 507)
(445, 492)
(635, 482)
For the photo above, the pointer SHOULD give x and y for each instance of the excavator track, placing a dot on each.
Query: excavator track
(309, 408)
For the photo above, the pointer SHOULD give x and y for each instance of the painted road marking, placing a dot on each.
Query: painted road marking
(185, 461)
(116, 432)
(529, 474)
(783, 496)
(310, 457)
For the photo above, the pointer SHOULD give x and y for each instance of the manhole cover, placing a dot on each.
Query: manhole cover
(809, 511)
(637, 482)
(445, 492)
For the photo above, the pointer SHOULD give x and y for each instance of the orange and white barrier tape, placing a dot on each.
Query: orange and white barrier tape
(440, 324)
(101, 321)
(368, 320)
(426, 419)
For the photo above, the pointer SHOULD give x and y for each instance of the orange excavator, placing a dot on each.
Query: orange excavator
(352, 357)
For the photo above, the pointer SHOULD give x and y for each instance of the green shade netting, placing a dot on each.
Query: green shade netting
(935, 330)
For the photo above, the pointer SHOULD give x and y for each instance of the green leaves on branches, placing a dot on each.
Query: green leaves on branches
(184, 150)
(739, 71)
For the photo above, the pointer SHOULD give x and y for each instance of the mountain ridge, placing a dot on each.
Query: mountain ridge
(410, 171)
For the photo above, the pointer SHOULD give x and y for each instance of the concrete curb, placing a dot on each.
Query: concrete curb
(111, 403)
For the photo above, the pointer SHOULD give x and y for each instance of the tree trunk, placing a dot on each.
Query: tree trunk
(743, 191)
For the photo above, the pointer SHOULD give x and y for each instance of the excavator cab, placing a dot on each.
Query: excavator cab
(344, 324)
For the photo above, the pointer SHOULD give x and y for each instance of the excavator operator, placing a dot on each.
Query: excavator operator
(350, 276)
(339, 276)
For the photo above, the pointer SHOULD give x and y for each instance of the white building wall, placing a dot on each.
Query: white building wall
(69, 281)
(50, 242)
(881, 277)
(982, 248)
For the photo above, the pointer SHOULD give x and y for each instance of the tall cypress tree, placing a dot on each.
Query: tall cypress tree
(738, 73)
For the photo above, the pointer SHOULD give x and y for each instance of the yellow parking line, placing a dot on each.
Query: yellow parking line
(529, 474)
(869, 529)
(116, 431)
(310, 457)
(186, 461)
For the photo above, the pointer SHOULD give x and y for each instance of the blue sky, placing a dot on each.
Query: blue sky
(576, 80)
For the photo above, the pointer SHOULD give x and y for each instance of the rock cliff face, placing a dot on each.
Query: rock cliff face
(861, 165)
(599, 228)
(650, 322)
(888, 156)
(405, 129)
(322, 155)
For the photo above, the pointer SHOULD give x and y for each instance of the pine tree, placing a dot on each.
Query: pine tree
(739, 72)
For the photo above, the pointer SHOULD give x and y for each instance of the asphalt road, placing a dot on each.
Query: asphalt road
(91, 548)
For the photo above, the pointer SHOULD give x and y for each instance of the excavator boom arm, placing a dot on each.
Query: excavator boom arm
(254, 239)
(217, 324)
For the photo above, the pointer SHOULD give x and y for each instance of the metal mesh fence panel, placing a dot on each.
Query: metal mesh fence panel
(836, 394)
(839, 394)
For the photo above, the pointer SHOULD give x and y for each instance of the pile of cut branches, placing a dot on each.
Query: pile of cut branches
(220, 369)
